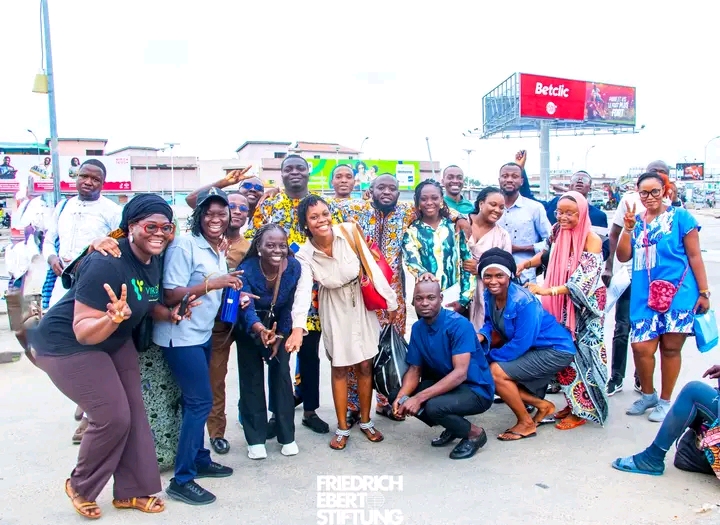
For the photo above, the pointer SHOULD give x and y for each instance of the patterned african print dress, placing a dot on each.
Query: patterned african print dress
(583, 382)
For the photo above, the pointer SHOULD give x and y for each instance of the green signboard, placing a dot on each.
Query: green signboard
(406, 172)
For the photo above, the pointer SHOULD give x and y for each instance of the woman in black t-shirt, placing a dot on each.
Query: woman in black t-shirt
(84, 344)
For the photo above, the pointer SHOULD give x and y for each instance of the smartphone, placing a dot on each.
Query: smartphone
(183, 307)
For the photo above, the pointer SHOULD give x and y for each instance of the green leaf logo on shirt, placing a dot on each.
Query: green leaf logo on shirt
(138, 287)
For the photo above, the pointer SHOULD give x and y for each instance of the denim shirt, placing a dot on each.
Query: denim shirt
(527, 325)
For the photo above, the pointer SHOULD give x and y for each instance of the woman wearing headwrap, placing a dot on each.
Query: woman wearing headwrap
(84, 344)
(524, 344)
(575, 295)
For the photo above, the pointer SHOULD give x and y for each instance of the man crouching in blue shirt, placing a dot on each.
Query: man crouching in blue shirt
(449, 377)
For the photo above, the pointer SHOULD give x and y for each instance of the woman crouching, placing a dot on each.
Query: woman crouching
(525, 345)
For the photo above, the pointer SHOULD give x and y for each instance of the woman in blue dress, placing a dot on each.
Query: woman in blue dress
(663, 244)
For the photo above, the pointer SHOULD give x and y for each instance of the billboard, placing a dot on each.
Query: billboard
(16, 170)
(406, 172)
(690, 171)
(565, 99)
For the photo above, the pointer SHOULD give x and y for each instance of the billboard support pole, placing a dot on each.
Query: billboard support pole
(545, 160)
(432, 165)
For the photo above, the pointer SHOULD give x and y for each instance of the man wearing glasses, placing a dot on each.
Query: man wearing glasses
(237, 247)
(613, 267)
(581, 182)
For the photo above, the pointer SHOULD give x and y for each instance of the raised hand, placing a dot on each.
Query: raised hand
(117, 309)
(630, 216)
(236, 176)
(229, 280)
(521, 157)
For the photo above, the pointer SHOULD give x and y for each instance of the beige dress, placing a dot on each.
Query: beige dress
(350, 332)
(495, 238)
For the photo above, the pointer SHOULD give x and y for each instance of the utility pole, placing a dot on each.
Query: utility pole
(51, 103)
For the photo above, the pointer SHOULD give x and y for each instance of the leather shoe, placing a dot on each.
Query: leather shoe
(443, 439)
(220, 445)
(468, 447)
(352, 418)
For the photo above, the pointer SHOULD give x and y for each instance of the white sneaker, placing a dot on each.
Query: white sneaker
(257, 452)
(290, 449)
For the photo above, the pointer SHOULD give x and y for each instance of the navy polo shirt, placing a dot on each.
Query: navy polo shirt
(432, 347)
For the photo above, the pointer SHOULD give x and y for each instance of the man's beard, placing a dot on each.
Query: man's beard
(508, 193)
(384, 208)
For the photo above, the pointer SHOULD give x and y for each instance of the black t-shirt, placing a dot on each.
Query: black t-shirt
(55, 336)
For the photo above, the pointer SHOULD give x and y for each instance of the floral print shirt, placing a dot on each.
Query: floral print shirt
(439, 251)
(282, 210)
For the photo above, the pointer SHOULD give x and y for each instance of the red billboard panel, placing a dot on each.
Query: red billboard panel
(610, 103)
(564, 99)
(549, 97)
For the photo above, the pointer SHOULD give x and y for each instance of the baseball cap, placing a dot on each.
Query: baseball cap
(212, 193)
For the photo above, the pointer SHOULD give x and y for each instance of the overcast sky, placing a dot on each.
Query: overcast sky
(213, 74)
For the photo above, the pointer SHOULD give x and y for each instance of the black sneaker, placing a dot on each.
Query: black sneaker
(614, 386)
(213, 470)
(636, 386)
(190, 493)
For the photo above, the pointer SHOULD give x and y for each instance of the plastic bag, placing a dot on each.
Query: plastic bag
(689, 457)
(706, 331)
(618, 284)
(389, 365)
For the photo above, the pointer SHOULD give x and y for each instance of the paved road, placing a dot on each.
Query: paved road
(558, 477)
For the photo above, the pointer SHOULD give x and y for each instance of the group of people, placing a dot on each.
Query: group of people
(280, 272)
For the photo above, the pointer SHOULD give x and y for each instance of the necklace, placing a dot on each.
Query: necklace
(268, 279)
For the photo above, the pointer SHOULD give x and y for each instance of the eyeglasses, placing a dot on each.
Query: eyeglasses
(250, 186)
(645, 194)
(584, 180)
(151, 228)
(559, 213)
(240, 207)
(659, 170)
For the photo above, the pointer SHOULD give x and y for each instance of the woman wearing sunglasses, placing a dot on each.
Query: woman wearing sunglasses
(669, 285)
(85, 345)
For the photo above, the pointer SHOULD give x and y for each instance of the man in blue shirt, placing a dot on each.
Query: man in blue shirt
(581, 182)
(449, 377)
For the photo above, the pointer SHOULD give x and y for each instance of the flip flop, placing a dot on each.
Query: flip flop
(508, 431)
(628, 465)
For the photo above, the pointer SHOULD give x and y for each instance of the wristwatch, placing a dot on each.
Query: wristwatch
(705, 293)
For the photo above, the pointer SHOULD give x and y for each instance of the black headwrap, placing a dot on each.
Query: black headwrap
(497, 256)
(143, 205)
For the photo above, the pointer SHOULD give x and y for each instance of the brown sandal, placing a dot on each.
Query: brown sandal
(153, 505)
(340, 439)
(81, 508)
(372, 433)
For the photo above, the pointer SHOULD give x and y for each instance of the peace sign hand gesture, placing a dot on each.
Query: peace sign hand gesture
(117, 309)
(235, 176)
(630, 218)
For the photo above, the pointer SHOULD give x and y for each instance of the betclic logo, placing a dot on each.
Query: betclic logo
(549, 97)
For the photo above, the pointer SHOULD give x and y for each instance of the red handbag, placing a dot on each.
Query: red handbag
(372, 299)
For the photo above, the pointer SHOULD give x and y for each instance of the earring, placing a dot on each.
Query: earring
(130, 238)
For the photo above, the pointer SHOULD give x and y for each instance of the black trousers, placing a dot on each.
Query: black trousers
(621, 336)
(251, 373)
(449, 410)
(309, 369)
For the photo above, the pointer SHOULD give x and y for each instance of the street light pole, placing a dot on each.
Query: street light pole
(37, 144)
(586, 155)
(706, 147)
(51, 103)
(171, 145)
(362, 144)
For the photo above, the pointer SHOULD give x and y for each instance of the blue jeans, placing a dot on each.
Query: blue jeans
(695, 397)
(190, 368)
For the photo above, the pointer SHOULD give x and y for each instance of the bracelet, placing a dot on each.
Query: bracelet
(628, 231)
(553, 291)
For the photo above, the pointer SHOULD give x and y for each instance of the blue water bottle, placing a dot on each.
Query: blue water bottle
(230, 305)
